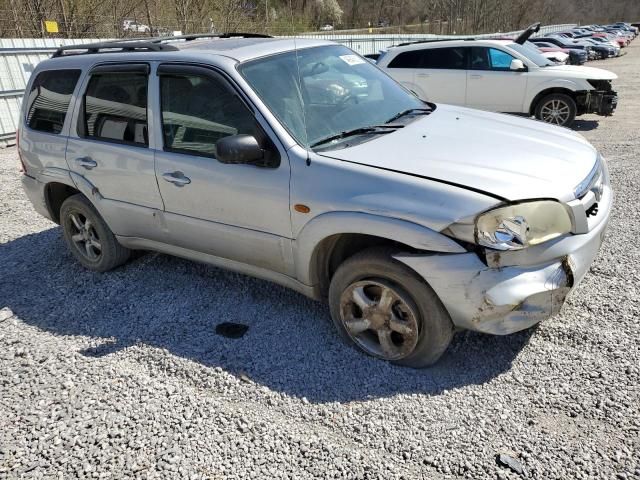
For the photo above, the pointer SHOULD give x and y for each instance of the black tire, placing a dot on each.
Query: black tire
(563, 104)
(74, 214)
(375, 268)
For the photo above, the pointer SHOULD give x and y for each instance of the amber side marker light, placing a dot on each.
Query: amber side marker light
(298, 207)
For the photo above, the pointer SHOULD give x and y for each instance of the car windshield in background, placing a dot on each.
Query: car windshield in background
(335, 91)
(532, 54)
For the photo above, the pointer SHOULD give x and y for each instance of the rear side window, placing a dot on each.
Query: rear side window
(450, 58)
(115, 108)
(409, 59)
(444, 58)
(49, 98)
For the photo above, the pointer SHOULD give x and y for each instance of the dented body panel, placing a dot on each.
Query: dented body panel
(504, 297)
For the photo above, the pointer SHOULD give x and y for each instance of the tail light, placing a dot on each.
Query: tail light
(23, 167)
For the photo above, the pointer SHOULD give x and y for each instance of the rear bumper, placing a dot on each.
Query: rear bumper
(510, 294)
(599, 102)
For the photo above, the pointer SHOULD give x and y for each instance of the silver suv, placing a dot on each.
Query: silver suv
(300, 162)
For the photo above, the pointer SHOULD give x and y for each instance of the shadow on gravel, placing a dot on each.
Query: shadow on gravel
(585, 125)
(175, 304)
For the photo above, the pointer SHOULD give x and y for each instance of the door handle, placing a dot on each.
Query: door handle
(86, 162)
(177, 178)
(476, 76)
(423, 75)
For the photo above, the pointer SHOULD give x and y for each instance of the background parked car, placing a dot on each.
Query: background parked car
(133, 26)
(576, 56)
(501, 76)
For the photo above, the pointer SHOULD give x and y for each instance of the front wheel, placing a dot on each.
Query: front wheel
(384, 309)
(557, 109)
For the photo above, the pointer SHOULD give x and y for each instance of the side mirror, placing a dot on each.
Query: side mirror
(239, 149)
(517, 66)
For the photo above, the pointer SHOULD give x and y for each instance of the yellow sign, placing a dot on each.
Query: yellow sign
(51, 26)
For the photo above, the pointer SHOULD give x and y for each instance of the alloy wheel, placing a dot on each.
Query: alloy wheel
(84, 236)
(556, 112)
(379, 319)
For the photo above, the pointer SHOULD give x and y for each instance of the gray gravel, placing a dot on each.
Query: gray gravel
(122, 374)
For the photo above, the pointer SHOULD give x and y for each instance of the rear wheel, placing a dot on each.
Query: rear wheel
(384, 309)
(88, 237)
(557, 109)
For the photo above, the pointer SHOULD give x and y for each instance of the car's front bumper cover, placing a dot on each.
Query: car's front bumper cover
(513, 290)
(599, 102)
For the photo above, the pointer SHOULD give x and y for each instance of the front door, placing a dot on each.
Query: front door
(491, 84)
(237, 212)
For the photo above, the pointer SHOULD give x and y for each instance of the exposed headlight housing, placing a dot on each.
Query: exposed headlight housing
(518, 226)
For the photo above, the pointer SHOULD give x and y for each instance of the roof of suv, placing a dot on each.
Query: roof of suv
(239, 49)
(462, 42)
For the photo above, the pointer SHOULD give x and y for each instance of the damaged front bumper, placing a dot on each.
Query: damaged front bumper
(512, 291)
(600, 102)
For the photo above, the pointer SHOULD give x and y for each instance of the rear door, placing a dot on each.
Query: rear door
(237, 212)
(491, 84)
(109, 145)
(441, 73)
(403, 67)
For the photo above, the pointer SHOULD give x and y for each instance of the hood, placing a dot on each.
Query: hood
(502, 155)
(577, 71)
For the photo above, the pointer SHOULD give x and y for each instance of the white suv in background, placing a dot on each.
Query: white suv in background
(500, 76)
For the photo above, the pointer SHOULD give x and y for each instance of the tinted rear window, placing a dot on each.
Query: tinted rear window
(49, 99)
(452, 58)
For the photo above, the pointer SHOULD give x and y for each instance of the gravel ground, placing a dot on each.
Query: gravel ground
(122, 374)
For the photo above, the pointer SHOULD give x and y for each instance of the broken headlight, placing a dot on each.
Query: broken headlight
(521, 225)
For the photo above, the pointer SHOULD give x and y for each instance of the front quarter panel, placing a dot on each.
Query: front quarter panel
(351, 198)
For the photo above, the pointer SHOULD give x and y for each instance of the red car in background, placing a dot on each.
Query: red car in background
(623, 42)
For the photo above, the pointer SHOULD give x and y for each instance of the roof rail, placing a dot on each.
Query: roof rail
(150, 44)
(124, 46)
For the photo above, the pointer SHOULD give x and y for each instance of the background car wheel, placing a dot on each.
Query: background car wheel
(88, 237)
(557, 109)
(386, 310)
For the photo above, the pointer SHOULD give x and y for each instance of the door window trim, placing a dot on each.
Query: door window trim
(112, 67)
(204, 70)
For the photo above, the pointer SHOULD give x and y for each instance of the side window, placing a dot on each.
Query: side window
(480, 58)
(410, 59)
(444, 58)
(115, 107)
(499, 60)
(49, 98)
(199, 110)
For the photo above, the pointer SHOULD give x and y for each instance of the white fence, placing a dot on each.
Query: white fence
(19, 57)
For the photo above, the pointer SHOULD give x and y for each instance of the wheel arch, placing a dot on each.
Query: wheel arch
(55, 193)
(331, 238)
(550, 91)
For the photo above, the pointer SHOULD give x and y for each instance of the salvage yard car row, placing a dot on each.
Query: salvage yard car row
(509, 75)
(300, 162)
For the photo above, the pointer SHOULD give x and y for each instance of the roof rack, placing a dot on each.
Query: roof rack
(123, 46)
(149, 44)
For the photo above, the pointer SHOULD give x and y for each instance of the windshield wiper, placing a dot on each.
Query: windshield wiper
(423, 111)
(381, 129)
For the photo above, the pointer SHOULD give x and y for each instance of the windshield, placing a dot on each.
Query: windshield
(336, 91)
(530, 51)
